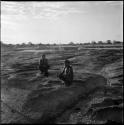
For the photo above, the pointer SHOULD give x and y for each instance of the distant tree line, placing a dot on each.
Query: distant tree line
(30, 44)
(107, 42)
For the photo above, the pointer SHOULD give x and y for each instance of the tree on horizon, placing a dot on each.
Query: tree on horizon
(109, 42)
(93, 42)
(71, 43)
(100, 42)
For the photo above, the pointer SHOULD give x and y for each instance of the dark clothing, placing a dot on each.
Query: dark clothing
(67, 75)
(43, 67)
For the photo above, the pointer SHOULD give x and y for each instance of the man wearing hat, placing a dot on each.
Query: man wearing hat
(43, 66)
(67, 73)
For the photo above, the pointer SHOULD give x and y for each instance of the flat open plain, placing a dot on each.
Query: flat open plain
(28, 97)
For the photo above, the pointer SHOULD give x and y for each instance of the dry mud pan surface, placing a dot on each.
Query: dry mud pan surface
(96, 96)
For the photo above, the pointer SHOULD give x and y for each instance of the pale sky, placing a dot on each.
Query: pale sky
(61, 22)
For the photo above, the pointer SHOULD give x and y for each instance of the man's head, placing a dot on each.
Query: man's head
(43, 56)
(67, 63)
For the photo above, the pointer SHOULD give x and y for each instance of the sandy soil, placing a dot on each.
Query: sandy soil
(28, 97)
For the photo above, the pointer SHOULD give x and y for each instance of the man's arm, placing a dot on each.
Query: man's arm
(40, 62)
(46, 62)
(63, 70)
(70, 73)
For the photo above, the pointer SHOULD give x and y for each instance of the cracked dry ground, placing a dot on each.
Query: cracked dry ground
(94, 97)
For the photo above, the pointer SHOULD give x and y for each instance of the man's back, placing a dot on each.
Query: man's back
(43, 62)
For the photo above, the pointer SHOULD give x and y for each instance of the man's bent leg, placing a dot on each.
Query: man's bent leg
(46, 72)
(61, 77)
(41, 69)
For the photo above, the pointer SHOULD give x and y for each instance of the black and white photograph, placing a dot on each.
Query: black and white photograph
(61, 62)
